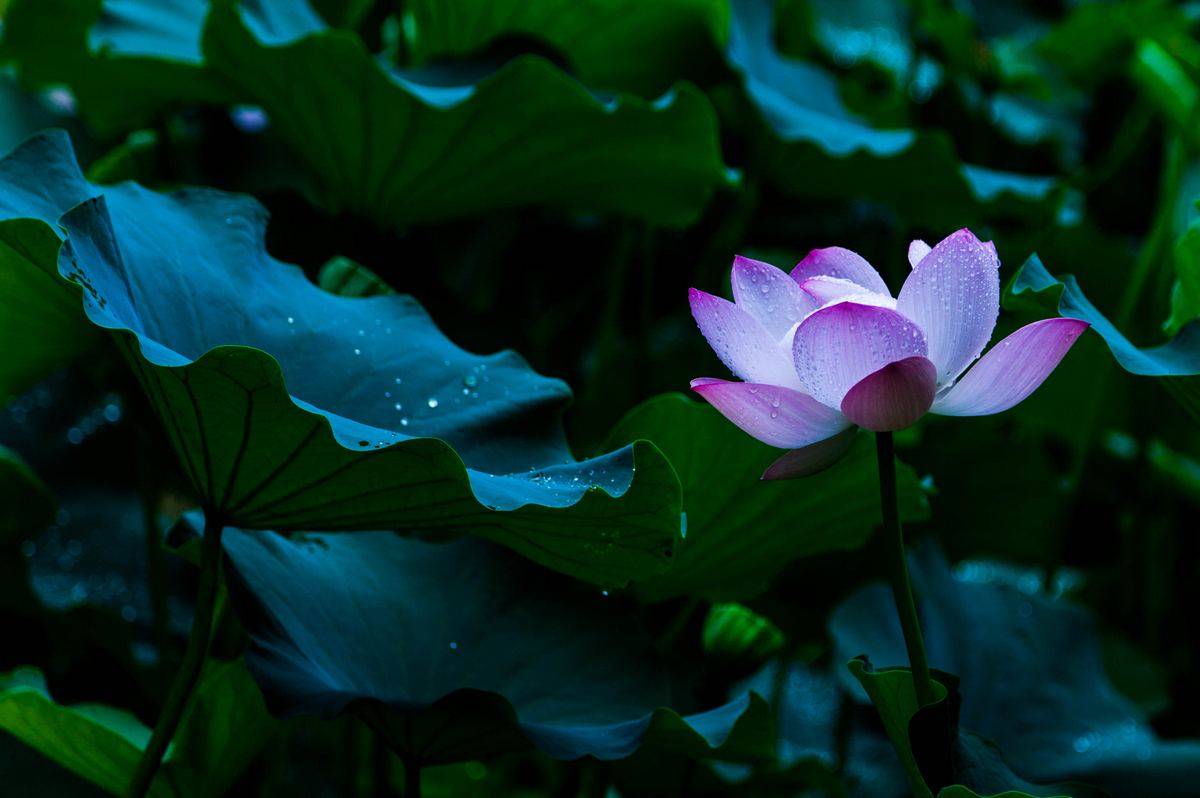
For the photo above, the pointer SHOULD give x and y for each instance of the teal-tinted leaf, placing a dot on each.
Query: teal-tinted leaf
(733, 632)
(742, 531)
(125, 60)
(1176, 363)
(1032, 680)
(416, 146)
(615, 44)
(222, 730)
(814, 146)
(458, 650)
(380, 411)
(816, 735)
(851, 32)
(27, 502)
(41, 327)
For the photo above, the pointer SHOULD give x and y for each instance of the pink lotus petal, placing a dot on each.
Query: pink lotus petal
(917, 251)
(990, 246)
(894, 397)
(769, 295)
(812, 459)
(839, 344)
(953, 294)
(742, 344)
(776, 416)
(839, 262)
(1012, 369)
(825, 289)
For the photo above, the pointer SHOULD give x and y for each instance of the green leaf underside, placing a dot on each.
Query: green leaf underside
(1185, 298)
(618, 44)
(379, 411)
(221, 732)
(891, 691)
(742, 531)
(1033, 682)
(41, 328)
(484, 653)
(1176, 363)
(813, 145)
(397, 148)
(27, 502)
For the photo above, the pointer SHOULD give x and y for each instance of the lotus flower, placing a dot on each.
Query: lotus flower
(828, 348)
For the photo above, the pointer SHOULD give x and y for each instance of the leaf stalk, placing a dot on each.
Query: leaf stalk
(189, 669)
(897, 565)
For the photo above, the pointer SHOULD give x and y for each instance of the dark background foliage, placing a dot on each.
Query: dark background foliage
(563, 213)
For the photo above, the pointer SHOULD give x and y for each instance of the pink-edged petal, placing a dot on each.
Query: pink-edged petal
(776, 416)
(742, 344)
(812, 459)
(917, 251)
(839, 262)
(953, 294)
(839, 344)
(826, 289)
(893, 397)
(769, 295)
(1012, 369)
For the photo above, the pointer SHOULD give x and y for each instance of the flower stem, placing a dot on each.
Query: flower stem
(897, 565)
(189, 669)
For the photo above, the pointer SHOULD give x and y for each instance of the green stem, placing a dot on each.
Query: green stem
(189, 669)
(897, 565)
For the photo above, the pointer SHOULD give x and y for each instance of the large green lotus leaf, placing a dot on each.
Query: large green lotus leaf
(814, 146)
(221, 732)
(400, 147)
(380, 411)
(125, 60)
(1031, 675)
(41, 327)
(27, 502)
(459, 650)
(742, 531)
(615, 44)
(1176, 363)
(414, 146)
